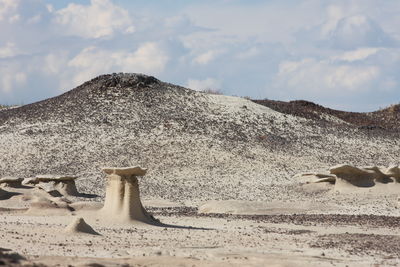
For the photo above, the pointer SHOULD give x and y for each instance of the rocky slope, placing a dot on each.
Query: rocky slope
(196, 146)
(387, 119)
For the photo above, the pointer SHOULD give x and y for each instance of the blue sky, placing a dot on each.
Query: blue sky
(344, 54)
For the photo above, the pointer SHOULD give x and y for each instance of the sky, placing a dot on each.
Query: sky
(344, 54)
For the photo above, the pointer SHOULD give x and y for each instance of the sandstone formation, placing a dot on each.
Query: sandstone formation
(10, 181)
(79, 226)
(347, 178)
(54, 184)
(122, 201)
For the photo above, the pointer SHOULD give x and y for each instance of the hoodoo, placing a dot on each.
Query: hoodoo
(122, 202)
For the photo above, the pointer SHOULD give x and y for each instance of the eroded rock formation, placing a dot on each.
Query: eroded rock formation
(122, 202)
(54, 184)
(10, 182)
(347, 178)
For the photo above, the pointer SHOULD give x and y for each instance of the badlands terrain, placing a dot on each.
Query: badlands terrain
(229, 181)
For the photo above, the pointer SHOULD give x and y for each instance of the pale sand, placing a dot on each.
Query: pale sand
(188, 239)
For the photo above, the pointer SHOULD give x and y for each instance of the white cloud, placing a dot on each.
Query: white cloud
(206, 84)
(206, 57)
(9, 50)
(323, 77)
(358, 54)
(8, 8)
(252, 52)
(358, 31)
(326, 49)
(148, 58)
(10, 80)
(99, 19)
(34, 19)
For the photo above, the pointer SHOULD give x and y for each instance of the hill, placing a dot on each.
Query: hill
(387, 119)
(197, 146)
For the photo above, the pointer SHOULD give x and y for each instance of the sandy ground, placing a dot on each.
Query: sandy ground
(281, 235)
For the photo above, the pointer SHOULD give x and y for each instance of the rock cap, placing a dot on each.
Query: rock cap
(126, 171)
(56, 178)
(10, 179)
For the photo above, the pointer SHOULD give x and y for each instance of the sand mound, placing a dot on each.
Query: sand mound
(122, 201)
(350, 179)
(41, 205)
(79, 226)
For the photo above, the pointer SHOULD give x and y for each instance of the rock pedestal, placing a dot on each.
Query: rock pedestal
(122, 202)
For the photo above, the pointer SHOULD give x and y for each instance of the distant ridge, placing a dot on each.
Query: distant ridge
(388, 118)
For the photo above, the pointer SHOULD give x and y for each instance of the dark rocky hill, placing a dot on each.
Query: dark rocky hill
(386, 119)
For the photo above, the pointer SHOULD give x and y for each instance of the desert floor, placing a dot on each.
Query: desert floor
(280, 236)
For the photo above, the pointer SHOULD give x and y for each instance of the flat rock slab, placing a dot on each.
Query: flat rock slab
(9, 179)
(46, 178)
(127, 171)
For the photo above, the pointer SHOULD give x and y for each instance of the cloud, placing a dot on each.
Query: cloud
(10, 80)
(148, 58)
(325, 78)
(7, 10)
(309, 49)
(206, 84)
(9, 50)
(206, 57)
(358, 54)
(99, 19)
(358, 31)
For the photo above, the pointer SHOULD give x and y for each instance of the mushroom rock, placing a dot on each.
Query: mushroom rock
(122, 201)
(65, 185)
(10, 182)
(79, 225)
